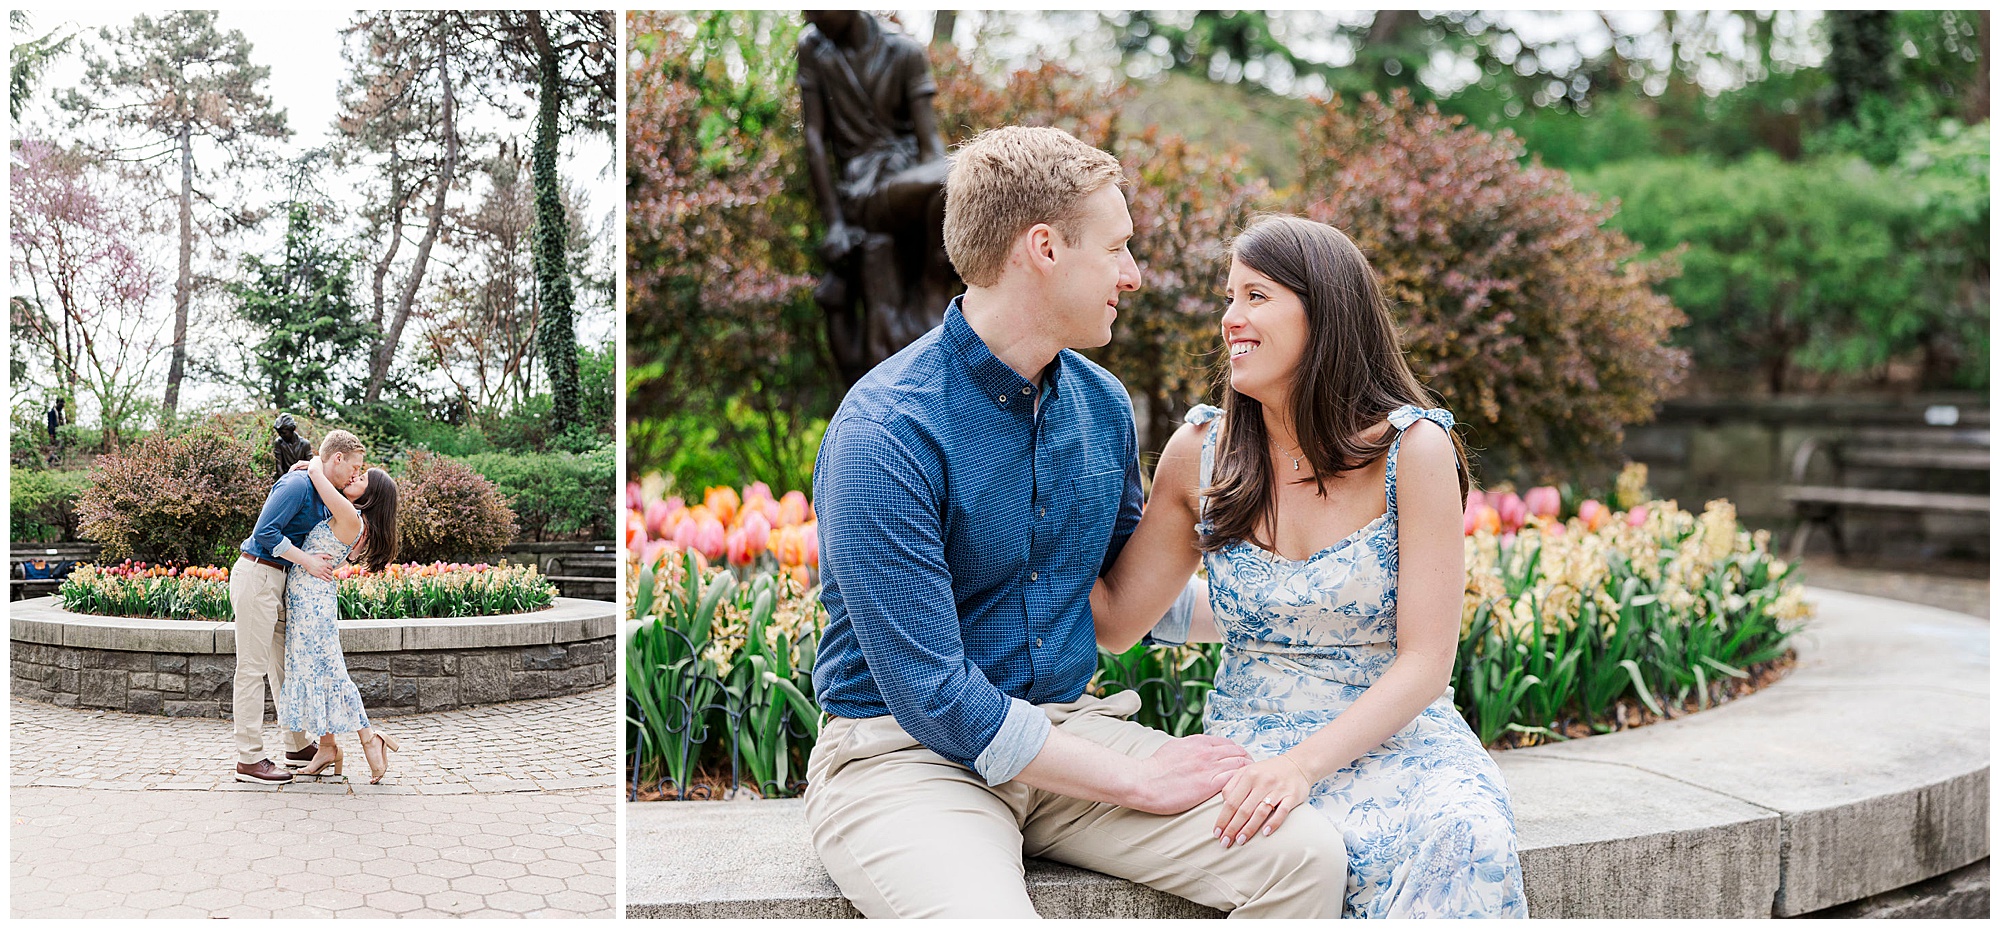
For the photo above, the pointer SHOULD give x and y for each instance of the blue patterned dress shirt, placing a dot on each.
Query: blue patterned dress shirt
(961, 528)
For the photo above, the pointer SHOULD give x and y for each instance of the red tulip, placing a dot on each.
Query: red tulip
(1544, 502)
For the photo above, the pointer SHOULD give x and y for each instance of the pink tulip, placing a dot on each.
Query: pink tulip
(1472, 516)
(811, 539)
(710, 539)
(1637, 517)
(756, 532)
(656, 518)
(1593, 514)
(635, 531)
(1513, 512)
(737, 546)
(684, 531)
(654, 551)
(634, 500)
(757, 491)
(1475, 499)
(1553, 528)
(1544, 502)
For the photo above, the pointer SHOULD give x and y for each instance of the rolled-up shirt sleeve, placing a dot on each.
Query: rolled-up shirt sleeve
(285, 501)
(882, 533)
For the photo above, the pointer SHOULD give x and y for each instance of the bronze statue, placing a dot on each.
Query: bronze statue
(288, 448)
(878, 169)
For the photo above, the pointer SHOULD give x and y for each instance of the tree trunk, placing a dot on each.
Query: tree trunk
(184, 284)
(1978, 100)
(555, 336)
(395, 233)
(943, 23)
(385, 354)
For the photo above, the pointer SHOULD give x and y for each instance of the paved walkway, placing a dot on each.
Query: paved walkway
(506, 810)
(1952, 586)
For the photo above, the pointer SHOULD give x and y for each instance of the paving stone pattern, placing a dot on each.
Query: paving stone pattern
(507, 810)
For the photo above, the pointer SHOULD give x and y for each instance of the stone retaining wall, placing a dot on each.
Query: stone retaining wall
(187, 668)
(1862, 773)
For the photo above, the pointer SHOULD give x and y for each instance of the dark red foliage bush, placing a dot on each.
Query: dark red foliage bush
(447, 511)
(180, 498)
(1536, 323)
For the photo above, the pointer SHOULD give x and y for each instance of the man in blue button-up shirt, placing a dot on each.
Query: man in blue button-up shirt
(970, 490)
(257, 600)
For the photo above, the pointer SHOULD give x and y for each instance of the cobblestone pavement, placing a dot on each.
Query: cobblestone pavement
(506, 810)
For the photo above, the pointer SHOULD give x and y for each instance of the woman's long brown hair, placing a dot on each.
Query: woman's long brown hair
(377, 505)
(1350, 378)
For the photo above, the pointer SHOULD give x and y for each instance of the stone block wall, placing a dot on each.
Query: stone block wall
(390, 682)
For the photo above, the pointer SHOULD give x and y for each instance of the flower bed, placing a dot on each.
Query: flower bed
(1577, 619)
(402, 591)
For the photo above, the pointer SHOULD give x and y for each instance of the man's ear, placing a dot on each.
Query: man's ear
(1041, 246)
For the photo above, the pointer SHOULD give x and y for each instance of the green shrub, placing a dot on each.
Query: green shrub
(1813, 266)
(446, 510)
(175, 498)
(555, 493)
(1527, 315)
(43, 504)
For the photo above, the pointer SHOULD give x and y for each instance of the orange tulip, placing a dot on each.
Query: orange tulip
(723, 502)
(791, 509)
(1593, 514)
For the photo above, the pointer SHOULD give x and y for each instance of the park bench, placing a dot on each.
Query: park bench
(1860, 462)
(38, 571)
(578, 569)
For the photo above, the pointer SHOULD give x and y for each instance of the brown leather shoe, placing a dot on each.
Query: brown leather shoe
(263, 772)
(302, 757)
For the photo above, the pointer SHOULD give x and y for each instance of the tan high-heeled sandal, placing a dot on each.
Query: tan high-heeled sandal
(321, 761)
(386, 743)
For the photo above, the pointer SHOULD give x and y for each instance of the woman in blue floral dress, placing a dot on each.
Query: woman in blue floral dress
(319, 698)
(1325, 500)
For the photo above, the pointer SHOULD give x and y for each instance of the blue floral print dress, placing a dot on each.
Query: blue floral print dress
(318, 697)
(1425, 815)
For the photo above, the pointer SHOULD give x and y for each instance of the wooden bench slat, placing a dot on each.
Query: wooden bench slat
(1890, 499)
(1956, 459)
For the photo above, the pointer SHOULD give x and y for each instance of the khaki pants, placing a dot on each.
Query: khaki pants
(906, 833)
(257, 597)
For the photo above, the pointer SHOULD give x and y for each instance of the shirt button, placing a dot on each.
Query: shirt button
(1027, 390)
(1003, 398)
(1041, 511)
(1038, 643)
(1034, 575)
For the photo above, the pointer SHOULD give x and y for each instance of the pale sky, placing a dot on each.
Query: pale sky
(302, 49)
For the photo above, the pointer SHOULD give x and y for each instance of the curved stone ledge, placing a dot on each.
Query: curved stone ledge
(186, 667)
(1864, 771)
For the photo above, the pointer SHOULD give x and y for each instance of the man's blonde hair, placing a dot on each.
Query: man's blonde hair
(1005, 181)
(339, 442)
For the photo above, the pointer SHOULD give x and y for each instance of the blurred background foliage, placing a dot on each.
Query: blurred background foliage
(1777, 202)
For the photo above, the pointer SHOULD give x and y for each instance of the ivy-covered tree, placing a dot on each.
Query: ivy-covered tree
(314, 329)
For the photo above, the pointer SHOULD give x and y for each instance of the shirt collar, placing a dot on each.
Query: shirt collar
(1002, 385)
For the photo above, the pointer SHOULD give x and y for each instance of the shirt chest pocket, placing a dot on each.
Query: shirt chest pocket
(1089, 511)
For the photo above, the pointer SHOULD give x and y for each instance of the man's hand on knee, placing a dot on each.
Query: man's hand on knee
(1181, 775)
(1187, 771)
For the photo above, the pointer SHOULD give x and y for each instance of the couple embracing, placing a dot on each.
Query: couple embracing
(982, 532)
(323, 512)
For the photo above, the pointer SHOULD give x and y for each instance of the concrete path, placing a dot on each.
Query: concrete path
(506, 810)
